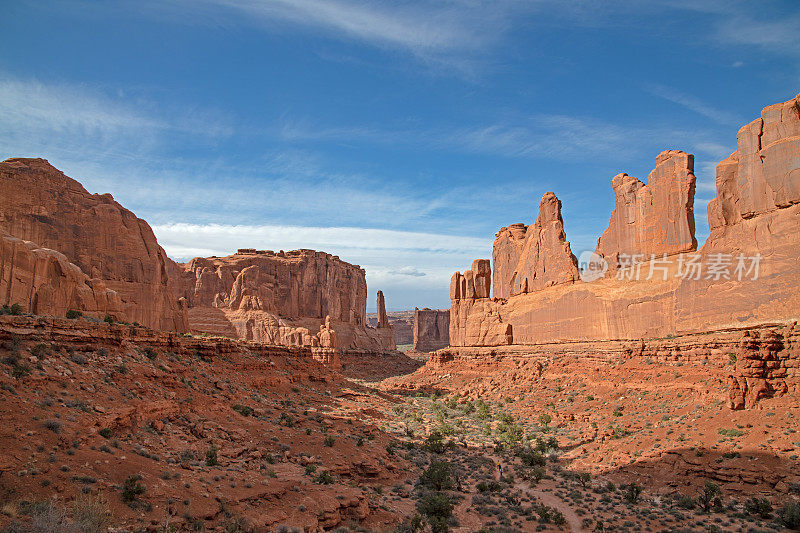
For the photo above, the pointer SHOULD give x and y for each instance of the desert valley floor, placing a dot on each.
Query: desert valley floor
(113, 424)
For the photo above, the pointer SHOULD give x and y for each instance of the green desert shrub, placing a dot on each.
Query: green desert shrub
(435, 443)
(789, 515)
(710, 496)
(437, 477)
(323, 478)
(633, 492)
(437, 509)
(760, 507)
(211, 456)
(132, 488)
(243, 410)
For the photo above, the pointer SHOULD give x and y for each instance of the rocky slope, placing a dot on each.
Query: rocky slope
(89, 406)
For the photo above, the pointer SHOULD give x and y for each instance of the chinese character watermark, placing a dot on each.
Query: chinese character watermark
(688, 266)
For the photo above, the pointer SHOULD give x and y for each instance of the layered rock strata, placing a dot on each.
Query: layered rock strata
(759, 362)
(475, 320)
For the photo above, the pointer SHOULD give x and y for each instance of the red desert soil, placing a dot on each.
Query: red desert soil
(89, 407)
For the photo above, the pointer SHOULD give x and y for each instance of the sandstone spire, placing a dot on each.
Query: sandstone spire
(383, 319)
(528, 259)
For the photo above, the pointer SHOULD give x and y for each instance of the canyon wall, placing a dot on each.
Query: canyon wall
(44, 282)
(656, 218)
(280, 298)
(38, 203)
(431, 329)
(745, 274)
(63, 248)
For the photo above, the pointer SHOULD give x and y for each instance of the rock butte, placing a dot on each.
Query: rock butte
(63, 248)
(540, 298)
(280, 298)
(103, 239)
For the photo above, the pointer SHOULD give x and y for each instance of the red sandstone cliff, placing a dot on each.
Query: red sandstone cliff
(107, 242)
(431, 329)
(528, 259)
(756, 215)
(280, 298)
(44, 282)
(657, 218)
(93, 255)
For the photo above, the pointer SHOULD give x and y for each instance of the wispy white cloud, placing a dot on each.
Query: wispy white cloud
(693, 103)
(779, 35)
(221, 239)
(408, 26)
(450, 34)
(545, 136)
(408, 271)
(434, 256)
(741, 22)
(39, 118)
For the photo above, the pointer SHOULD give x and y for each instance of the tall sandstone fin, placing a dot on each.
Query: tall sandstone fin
(506, 250)
(763, 174)
(530, 258)
(653, 218)
(546, 259)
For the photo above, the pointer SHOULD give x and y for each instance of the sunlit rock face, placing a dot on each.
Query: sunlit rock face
(38, 203)
(748, 267)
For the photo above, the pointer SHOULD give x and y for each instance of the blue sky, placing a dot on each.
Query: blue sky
(398, 135)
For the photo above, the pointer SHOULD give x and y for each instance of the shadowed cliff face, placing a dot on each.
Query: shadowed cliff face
(431, 329)
(747, 269)
(44, 282)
